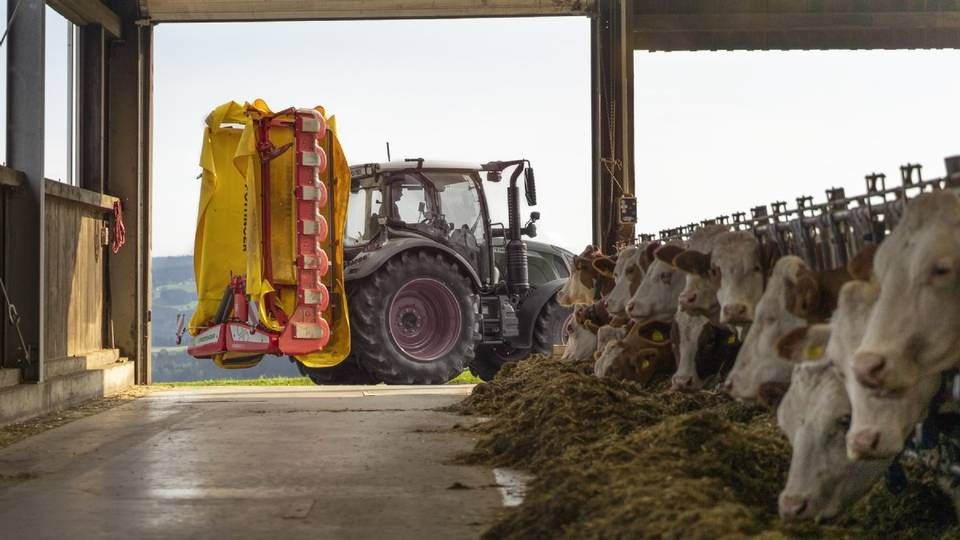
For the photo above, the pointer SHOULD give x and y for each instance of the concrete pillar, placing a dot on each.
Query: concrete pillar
(612, 110)
(24, 218)
(128, 105)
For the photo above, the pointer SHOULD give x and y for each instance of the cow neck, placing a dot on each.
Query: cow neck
(829, 284)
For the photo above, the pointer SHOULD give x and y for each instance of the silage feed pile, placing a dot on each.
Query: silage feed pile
(614, 460)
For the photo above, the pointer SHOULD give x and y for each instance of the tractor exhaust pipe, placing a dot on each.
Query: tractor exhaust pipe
(518, 279)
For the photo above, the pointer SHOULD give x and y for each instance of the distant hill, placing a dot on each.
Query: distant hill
(175, 291)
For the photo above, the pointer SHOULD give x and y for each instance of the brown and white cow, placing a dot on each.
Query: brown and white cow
(580, 288)
(627, 273)
(699, 295)
(642, 355)
(912, 332)
(737, 265)
(656, 297)
(760, 374)
(702, 348)
(880, 422)
(815, 417)
(583, 329)
(697, 340)
(795, 297)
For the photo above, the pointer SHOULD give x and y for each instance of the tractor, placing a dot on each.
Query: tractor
(433, 287)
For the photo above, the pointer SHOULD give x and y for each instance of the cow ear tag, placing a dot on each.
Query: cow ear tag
(731, 339)
(658, 336)
(814, 352)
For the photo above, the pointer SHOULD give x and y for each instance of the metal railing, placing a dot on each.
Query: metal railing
(827, 234)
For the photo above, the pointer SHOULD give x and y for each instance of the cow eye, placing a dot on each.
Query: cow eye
(714, 271)
(757, 268)
(844, 423)
(665, 277)
(941, 269)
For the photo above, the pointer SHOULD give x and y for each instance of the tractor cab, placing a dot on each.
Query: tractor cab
(441, 202)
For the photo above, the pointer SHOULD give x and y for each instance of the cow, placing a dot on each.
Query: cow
(631, 265)
(759, 374)
(699, 295)
(610, 333)
(912, 332)
(585, 279)
(583, 330)
(702, 349)
(656, 297)
(737, 265)
(815, 417)
(642, 355)
(795, 297)
(700, 346)
(880, 422)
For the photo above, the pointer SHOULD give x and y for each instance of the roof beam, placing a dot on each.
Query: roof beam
(825, 30)
(275, 10)
(84, 12)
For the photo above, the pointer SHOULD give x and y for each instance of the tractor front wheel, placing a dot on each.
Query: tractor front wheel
(549, 330)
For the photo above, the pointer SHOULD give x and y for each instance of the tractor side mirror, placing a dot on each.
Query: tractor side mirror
(530, 186)
(421, 207)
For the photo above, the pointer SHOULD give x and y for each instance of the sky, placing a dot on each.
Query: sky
(716, 132)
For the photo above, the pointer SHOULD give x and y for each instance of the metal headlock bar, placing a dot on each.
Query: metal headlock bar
(828, 234)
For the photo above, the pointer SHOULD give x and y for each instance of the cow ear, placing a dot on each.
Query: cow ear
(861, 265)
(693, 262)
(656, 331)
(651, 250)
(804, 343)
(667, 253)
(604, 266)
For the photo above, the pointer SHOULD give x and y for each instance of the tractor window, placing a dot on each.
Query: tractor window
(462, 212)
(363, 215)
(411, 202)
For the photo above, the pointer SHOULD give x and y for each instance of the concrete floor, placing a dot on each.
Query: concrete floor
(252, 462)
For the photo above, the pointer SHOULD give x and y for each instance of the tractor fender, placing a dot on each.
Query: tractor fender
(369, 262)
(530, 310)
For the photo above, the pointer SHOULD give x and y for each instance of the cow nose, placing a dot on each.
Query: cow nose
(869, 369)
(734, 313)
(682, 383)
(792, 506)
(631, 306)
(688, 299)
(864, 443)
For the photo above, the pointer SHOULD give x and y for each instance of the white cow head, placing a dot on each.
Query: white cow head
(815, 416)
(912, 332)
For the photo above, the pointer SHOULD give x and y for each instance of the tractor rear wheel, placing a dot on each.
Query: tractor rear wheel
(413, 321)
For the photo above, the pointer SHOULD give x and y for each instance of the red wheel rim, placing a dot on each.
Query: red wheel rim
(424, 319)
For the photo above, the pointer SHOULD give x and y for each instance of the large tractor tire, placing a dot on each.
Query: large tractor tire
(412, 321)
(346, 372)
(549, 330)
